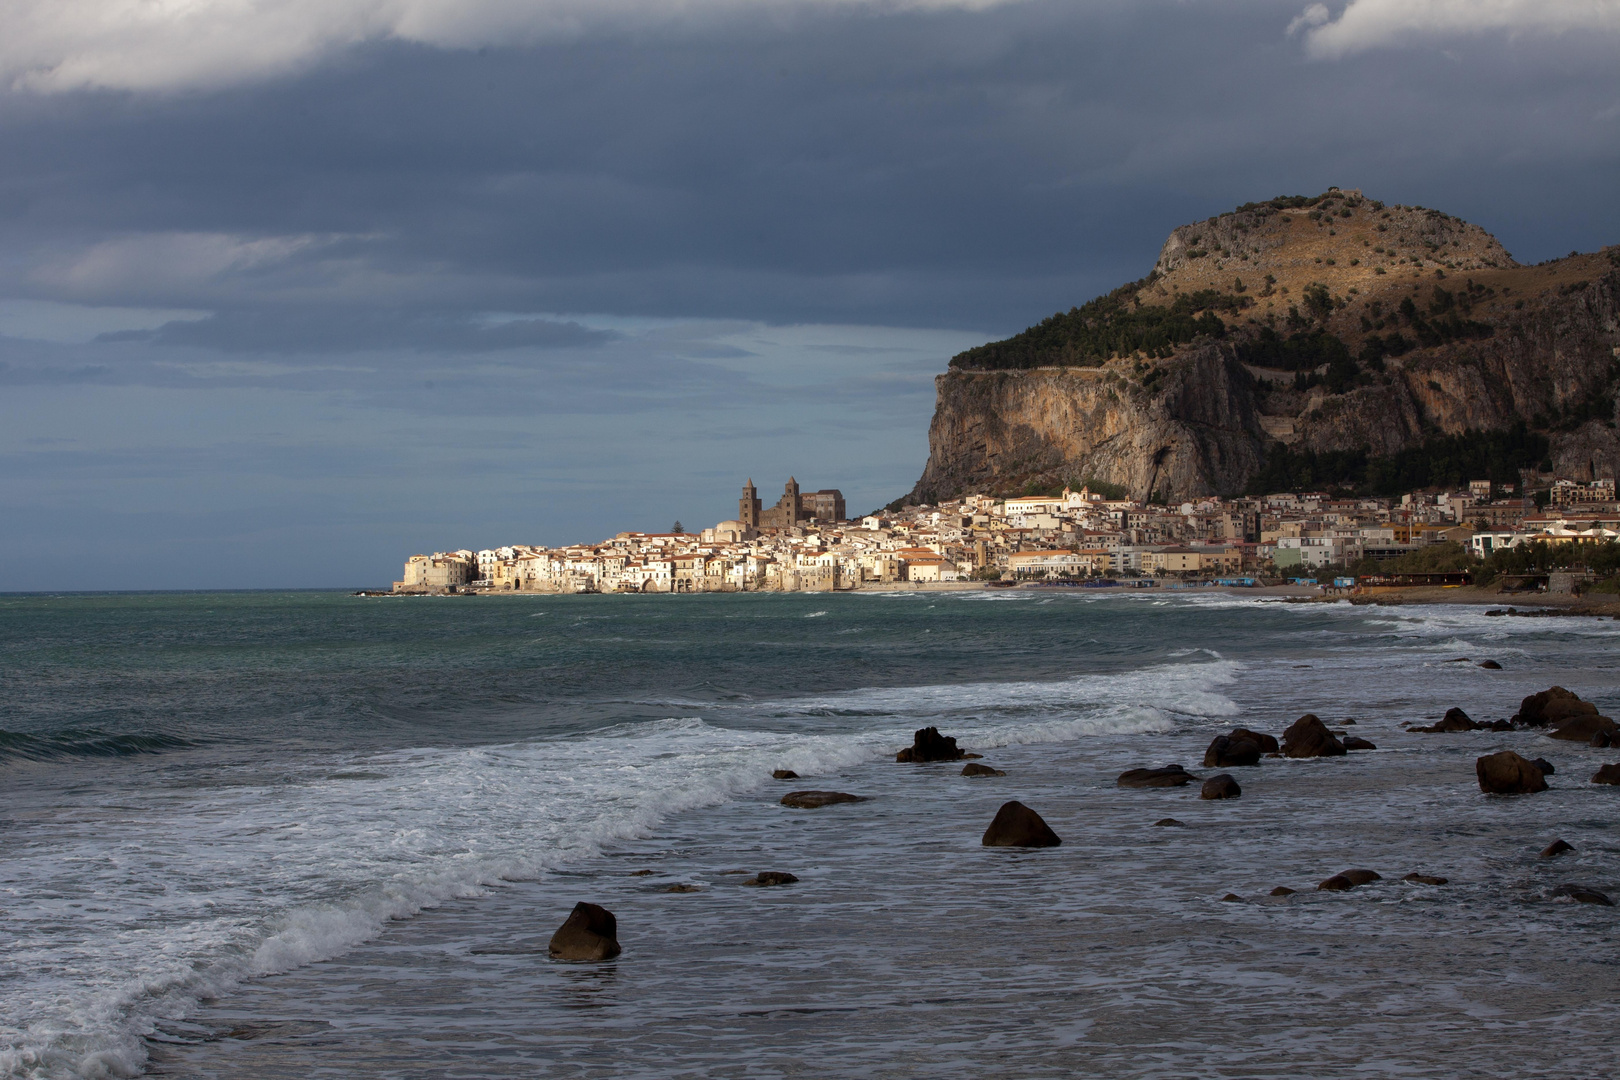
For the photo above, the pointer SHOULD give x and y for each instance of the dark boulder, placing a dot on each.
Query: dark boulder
(1166, 822)
(1608, 774)
(591, 933)
(1220, 787)
(1490, 665)
(1167, 776)
(1424, 879)
(809, 800)
(1356, 742)
(771, 877)
(1498, 725)
(1308, 737)
(1544, 765)
(683, 888)
(1282, 890)
(1016, 825)
(927, 744)
(1584, 727)
(1232, 898)
(975, 769)
(1601, 740)
(1556, 848)
(1266, 743)
(1227, 753)
(1507, 773)
(1551, 706)
(1582, 895)
(1454, 720)
(784, 774)
(1349, 880)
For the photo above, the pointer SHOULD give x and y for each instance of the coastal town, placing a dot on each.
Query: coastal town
(805, 542)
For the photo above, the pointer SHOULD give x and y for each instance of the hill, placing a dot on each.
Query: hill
(1299, 342)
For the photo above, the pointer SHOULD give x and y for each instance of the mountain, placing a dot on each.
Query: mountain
(1301, 342)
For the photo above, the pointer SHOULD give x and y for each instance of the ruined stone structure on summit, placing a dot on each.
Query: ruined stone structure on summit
(792, 509)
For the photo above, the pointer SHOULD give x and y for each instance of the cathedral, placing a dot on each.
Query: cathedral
(792, 509)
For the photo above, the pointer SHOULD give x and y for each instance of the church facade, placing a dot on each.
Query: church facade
(793, 509)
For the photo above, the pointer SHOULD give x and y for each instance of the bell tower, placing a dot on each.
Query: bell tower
(790, 502)
(748, 506)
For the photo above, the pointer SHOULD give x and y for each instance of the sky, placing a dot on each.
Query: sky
(293, 289)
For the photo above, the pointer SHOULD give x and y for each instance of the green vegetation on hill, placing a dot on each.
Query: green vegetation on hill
(1112, 325)
(1441, 461)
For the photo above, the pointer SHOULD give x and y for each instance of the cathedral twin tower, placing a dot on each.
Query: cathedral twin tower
(792, 509)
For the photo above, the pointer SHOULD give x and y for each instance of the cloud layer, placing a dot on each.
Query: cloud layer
(1370, 24)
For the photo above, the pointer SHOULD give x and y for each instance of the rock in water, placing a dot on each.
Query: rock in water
(1220, 787)
(1356, 742)
(591, 933)
(784, 774)
(1266, 743)
(1608, 774)
(1349, 880)
(1424, 879)
(1454, 720)
(1551, 706)
(1282, 890)
(809, 800)
(1507, 773)
(1168, 776)
(1016, 825)
(1490, 665)
(973, 768)
(1227, 753)
(1232, 898)
(683, 888)
(1308, 737)
(1557, 847)
(1582, 895)
(1166, 822)
(927, 744)
(1601, 740)
(1587, 728)
(1544, 765)
(767, 878)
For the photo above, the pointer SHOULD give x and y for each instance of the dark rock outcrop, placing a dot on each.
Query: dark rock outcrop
(1544, 765)
(1506, 773)
(1601, 740)
(809, 800)
(1356, 742)
(590, 933)
(1552, 706)
(973, 768)
(1557, 847)
(784, 774)
(1231, 898)
(1582, 895)
(1585, 728)
(1227, 753)
(1167, 822)
(929, 745)
(1608, 774)
(1282, 890)
(1490, 665)
(1424, 879)
(1266, 743)
(1349, 879)
(683, 888)
(1454, 720)
(1167, 776)
(1016, 825)
(1308, 737)
(770, 877)
(1220, 787)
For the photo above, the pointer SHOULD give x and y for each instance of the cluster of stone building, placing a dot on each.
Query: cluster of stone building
(805, 542)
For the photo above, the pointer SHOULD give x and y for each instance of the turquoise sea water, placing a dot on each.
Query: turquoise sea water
(294, 834)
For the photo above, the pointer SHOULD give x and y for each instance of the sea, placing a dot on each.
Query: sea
(312, 834)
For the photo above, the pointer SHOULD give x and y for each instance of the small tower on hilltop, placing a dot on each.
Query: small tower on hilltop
(748, 506)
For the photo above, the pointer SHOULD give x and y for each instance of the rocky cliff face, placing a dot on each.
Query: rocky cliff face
(1437, 331)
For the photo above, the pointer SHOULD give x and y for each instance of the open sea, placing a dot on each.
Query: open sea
(303, 835)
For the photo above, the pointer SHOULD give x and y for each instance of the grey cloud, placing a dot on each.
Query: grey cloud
(325, 330)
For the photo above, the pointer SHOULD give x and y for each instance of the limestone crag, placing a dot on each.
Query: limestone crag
(1436, 328)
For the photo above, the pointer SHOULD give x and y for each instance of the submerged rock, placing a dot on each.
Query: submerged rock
(1166, 822)
(766, 878)
(1583, 895)
(1557, 847)
(1356, 742)
(1282, 890)
(590, 933)
(1226, 753)
(1424, 879)
(1544, 765)
(1231, 897)
(1308, 737)
(1490, 665)
(683, 888)
(1016, 825)
(927, 744)
(1608, 774)
(809, 800)
(1166, 776)
(1220, 787)
(975, 769)
(784, 774)
(1507, 773)
(1349, 879)
(1454, 720)
(1601, 740)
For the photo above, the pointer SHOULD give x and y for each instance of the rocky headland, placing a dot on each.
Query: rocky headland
(1333, 330)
